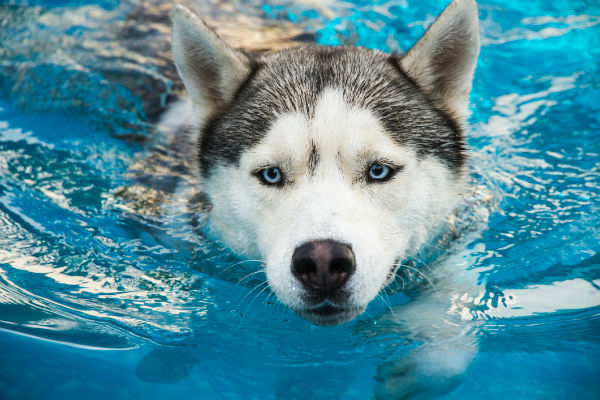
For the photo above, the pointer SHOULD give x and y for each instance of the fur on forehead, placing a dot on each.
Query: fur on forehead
(293, 80)
(337, 134)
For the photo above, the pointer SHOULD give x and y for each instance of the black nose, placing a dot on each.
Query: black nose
(323, 266)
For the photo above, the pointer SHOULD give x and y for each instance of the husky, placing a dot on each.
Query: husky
(330, 164)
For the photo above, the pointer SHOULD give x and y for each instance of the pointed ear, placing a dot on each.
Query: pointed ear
(443, 60)
(210, 69)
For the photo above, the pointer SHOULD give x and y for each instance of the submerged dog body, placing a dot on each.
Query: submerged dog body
(331, 164)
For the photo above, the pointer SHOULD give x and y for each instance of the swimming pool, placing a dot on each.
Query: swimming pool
(98, 300)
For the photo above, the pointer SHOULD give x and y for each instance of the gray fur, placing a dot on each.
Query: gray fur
(313, 159)
(291, 81)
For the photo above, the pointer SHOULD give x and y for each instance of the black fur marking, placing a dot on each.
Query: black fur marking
(292, 80)
(313, 159)
(213, 122)
(460, 149)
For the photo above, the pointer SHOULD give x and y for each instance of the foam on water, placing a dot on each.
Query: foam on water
(97, 300)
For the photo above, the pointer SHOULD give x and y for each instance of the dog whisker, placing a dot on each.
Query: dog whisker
(237, 264)
(249, 275)
(250, 292)
(266, 305)
(422, 274)
(253, 300)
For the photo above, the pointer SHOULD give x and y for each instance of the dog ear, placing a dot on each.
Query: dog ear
(442, 62)
(211, 70)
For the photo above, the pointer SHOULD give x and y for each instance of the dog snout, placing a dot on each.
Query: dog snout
(323, 266)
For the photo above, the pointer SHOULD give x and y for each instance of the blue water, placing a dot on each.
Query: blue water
(98, 301)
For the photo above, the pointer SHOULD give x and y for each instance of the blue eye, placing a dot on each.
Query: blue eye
(271, 176)
(379, 172)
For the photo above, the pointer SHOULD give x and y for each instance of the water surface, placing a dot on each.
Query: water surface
(99, 300)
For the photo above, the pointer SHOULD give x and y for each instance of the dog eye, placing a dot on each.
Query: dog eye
(271, 176)
(379, 173)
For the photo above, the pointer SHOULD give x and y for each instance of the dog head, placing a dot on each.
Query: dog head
(331, 164)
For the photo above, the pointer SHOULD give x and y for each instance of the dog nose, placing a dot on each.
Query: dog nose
(323, 266)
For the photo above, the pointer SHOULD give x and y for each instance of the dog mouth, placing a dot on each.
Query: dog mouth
(329, 314)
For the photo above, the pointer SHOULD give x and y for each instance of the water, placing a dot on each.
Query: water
(98, 299)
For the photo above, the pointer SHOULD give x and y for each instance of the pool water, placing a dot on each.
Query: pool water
(100, 301)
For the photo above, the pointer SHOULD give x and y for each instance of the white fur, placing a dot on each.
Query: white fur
(382, 222)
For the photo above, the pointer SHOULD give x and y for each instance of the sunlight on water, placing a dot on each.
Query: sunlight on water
(84, 270)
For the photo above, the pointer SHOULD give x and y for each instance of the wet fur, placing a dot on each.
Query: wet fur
(322, 115)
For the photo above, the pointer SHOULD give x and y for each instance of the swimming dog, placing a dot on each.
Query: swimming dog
(331, 164)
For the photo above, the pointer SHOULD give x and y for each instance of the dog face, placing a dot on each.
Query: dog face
(331, 164)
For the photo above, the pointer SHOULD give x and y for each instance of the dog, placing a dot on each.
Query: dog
(330, 164)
